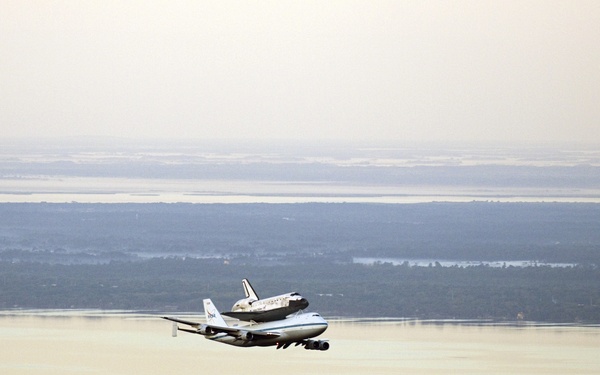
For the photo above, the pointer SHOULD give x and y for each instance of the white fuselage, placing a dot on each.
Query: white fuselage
(292, 329)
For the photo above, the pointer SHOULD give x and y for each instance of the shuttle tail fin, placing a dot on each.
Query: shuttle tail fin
(213, 317)
(250, 293)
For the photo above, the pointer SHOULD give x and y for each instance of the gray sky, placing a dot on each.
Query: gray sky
(351, 70)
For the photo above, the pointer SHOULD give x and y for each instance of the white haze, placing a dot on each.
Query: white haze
(463, 70)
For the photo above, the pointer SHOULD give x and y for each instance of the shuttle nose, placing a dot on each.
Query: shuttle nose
(301, 303)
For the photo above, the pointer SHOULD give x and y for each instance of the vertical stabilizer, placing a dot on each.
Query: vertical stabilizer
(213, 317)
(250, 293)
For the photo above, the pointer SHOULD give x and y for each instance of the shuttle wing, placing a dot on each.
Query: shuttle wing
(260, 316)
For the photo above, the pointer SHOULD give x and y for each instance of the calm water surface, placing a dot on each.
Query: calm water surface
(127, 344)
(58, 189)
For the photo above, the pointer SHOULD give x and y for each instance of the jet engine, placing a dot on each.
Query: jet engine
(247, 336)
(204, 330)
(316, 345)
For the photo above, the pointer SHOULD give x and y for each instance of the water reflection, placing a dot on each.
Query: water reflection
(84, 343)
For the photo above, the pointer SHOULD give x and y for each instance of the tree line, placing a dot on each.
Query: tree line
(570, 294)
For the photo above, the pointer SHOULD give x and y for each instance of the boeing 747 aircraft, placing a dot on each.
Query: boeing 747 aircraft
(299, 329)
(252, 308)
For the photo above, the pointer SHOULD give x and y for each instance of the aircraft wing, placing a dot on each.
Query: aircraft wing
(177, 320)
(208, 329)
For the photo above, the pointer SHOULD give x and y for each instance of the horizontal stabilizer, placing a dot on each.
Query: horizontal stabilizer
(177, 320)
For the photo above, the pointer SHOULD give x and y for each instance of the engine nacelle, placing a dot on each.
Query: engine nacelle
(323, 345)
(247, 336)
(206, 331)
(316, 345)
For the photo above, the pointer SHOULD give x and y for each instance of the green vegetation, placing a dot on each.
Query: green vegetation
(540, 293)
(170, 257)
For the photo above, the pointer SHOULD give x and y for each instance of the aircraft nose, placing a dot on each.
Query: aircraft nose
(325, 326)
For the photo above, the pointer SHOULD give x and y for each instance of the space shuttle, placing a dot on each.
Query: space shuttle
(252, 308)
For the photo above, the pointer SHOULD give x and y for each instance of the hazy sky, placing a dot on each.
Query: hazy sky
(353, 70)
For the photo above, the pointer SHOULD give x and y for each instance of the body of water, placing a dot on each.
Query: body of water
(76, 343)
(112, 171)
(60, 189)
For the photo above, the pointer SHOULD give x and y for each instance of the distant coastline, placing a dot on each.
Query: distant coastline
(127, 171)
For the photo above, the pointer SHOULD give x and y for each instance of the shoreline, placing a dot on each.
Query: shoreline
(150, 315)
(201, 198)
